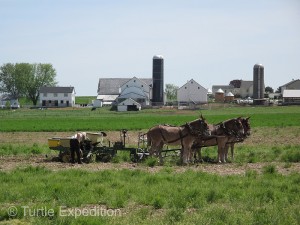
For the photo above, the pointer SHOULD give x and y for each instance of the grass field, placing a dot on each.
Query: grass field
(103, 119)
(262, 186)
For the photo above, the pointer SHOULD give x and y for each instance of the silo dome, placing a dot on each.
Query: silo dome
(158, 57)
(229, 94)
(258, 65)
(220, 91)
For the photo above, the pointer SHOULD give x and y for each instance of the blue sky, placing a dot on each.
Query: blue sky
(212, 42)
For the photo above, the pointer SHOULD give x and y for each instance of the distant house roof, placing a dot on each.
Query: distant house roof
(110, 86)
(291, 94)
(6, 97)
(56, 89)
(289, 83)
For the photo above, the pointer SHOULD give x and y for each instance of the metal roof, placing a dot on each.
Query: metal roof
(287, 84)
(291, 94)
(110, 86)
(45, 89)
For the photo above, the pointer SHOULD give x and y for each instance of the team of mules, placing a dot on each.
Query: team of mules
(196, 134)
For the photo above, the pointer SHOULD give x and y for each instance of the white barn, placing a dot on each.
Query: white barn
(112, 90)
(57, 97)
(137, 90)
(192, 92)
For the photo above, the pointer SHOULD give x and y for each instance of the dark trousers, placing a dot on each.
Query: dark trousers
(75, 147)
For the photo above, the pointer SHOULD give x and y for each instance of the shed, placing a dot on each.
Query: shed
(9, 101)
(129, 105)
(291, 97)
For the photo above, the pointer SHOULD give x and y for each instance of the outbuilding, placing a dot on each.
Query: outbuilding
(229, 97)
(129, 105)
(219, 95)
(291, 97)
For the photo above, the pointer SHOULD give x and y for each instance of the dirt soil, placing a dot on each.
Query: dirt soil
(265, 136)
(8, 163)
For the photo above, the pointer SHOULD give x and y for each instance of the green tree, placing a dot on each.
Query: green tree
(41, 75)
(269, 90)
(171, 92)
(13, 78)
(24, 79)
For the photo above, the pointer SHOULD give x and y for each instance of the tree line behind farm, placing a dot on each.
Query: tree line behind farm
(25, 79)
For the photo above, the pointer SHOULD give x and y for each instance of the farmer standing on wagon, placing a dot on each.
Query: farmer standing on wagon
(75, 143)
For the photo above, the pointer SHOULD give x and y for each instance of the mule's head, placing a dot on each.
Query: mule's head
(234, 127)
(199, 127)
(246, 126)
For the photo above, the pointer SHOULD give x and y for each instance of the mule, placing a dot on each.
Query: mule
(221, 134)
(183, 135)
(247, 131)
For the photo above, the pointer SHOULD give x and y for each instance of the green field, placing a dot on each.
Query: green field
(267, 191)
(103, 119)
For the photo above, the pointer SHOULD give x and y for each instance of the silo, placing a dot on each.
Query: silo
(158, 80)
(219, 95)
(258, 81)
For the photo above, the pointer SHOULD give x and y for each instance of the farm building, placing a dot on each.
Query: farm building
(293, 85)
(57, 97)
(243, 89)
(219, 95)
(136, 89)
(118, 89)
(291, 97)
(229, 97)
(8, 101)
(246, 89)
(129, 105)
(191, 93)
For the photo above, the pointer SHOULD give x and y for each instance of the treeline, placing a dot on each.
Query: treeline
(25, 79)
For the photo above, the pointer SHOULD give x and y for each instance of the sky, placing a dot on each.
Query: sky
(212, 42)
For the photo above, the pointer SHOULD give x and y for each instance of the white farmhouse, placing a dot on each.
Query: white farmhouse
(57, 97)
(192, 92)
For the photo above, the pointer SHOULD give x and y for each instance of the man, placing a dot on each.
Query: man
(75, 143)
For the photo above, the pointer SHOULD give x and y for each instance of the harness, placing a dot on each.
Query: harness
(227, 131)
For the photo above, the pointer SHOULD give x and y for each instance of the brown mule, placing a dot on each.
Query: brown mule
(184, 135)
(221, 134)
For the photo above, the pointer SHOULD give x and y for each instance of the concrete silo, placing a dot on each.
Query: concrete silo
(258, 81)
(158, 80)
